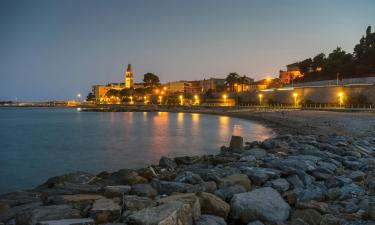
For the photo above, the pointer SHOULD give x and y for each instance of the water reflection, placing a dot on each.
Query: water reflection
(223, 127)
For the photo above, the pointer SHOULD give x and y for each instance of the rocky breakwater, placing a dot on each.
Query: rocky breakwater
(296, 180)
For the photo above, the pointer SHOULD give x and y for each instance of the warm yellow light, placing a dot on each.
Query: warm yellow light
(145, 97)
(195, 96)
(235, 84)
(224, 96)
(162, 92)
(268, 79)
(295, 95)
(156, 91)
(165, 88)
(260, 95)
(180, 96)
(340, 94)
(160, 97)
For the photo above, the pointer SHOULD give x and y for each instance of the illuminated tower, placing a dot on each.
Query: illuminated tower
(129, 77)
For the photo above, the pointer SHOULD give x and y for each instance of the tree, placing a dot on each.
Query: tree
(112, 93)
(232, 79)
(305, 65)
(90, 97)
(151, 80)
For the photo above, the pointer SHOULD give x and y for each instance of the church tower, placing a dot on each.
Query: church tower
(129, 77)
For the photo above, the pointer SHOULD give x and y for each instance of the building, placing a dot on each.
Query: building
(244, 84)
(193, 87)
(292, 72)
(177, 86)
(212, 84)
(129, 79)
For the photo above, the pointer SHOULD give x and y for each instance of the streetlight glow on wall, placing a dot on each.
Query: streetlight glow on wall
(196, 99)
(181, 100)
(340, 94)
(260, 99)
(145, 98)
(225, 99)
(295, 95)
(160, 98)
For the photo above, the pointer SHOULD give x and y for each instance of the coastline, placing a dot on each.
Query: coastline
(307, 171)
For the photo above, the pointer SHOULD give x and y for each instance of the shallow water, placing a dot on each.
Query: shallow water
(37, 143)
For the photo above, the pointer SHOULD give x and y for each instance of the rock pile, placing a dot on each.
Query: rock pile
(289, 179)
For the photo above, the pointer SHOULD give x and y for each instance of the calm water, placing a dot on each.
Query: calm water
(37, 143)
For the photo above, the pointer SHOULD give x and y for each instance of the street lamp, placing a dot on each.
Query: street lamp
(145, 98)
(181, 99)
(225, 99)
(295, 95)
(131, 99)
(340, 98)
(79, 96)
(260, 99)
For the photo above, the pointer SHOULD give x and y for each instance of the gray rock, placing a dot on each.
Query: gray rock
(329, 219)
(169, 187)
(116, 191)
(210, 204)
(209, 186)
(82, 221)
(187, 198)
(79, 200)
(263, 204)
(226, 192)
(145, 190)
(135, 203)
(260, 175)
(72, 178)
(169, 213)
(105, 210)
(187, 160)
(167, 163)
(7, 213)
(188, 177)
(44, 213)
(18, 198)
(280, 184)
(240, 179)
(210, 220)
(236, 143)
(256, 223)
(248, 159)
(258, 153)
(309, 216)
(357, 175)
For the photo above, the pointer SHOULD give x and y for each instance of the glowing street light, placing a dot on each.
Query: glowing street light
(196, 99)
(295, 95)
(156, 91)
(131, 99)
(225, 99)
(165, 88)
(340, 94)
(181, 99)
(145, 98)
(260, 99)
(160, 98)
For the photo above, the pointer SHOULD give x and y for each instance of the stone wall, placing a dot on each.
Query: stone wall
(328, 94)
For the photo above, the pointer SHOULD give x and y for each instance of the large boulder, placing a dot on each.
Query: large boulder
(167, 163)
(145, 190)
(211, 204)
(169, 187)
(105, 210)
(81, 221)
(210, 220)
(170, 213)
(263, 204)
(240, 179)
(135, 203)
(43, 213)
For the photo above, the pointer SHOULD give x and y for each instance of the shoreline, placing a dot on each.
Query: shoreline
(314, 165)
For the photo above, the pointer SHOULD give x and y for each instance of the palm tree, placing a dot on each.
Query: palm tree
(231, 80)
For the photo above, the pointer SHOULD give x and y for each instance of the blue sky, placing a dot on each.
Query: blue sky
(54, 49)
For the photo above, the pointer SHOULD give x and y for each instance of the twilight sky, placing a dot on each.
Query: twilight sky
(54, 49)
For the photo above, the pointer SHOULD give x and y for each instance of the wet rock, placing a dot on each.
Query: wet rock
(43, 213)
(258, 153)
(105, 210)
(187, 198)
(357, 175)
(260, 175)
(280, 184)
(236, 143)
(7, 213)
(209, 186)
(167, 163)
(188, 177)
(145, 190)
(135, 203)
(18, 198)
(210, 220)
(169, 187)
(116, 191)
(330, 219)
(148, 173)
(226, 192)
(187, 160)
(240, 179)
(263, 204)
(71, 178)
(126, 176)
(321, 207)
(169, 213)
(223, 159)
(82, 221)
(249, 159)
(309, 216)
(210, 204)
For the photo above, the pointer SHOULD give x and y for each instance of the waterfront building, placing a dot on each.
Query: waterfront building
(292, 72)
(177, 86)
(244, 84)
(214, 84)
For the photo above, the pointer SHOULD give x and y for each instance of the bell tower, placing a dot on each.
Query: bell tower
(129, 77)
